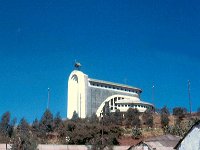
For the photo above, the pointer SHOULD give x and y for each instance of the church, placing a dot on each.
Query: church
(87, 96)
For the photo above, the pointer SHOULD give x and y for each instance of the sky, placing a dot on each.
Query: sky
(136, 42)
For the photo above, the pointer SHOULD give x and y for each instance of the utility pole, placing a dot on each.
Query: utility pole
(190, 105)
(102, 130)
(80, 105)
(48, 98)
(153, 97)
(153, 101)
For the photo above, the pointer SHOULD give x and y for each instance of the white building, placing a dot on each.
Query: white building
(87, 96)
(191, 140)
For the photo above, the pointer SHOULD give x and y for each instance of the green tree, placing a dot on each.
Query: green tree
(136, 133)
(93, 119)
(129, 116)
(57, 122)
(75, 116)
(24, 139)
(84, 132)
(117, 115)
(147, 118)
(132, 118)
(35, 127)
(6, 127)
(164, 117)
(46, 122)
(60, 128)
(180, 113)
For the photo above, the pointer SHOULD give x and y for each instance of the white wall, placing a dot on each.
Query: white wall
(77, 86)
(191, 141)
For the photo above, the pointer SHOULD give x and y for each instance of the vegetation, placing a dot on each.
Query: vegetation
(136, 133)
(147, 118)
(180, 113)
(164, 117)
(132, 118)
(98, 132)
(6, 128)
(49, 129)
(24, 139)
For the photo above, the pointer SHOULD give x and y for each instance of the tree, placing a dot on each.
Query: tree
(24, 139)
(136, 133)
(46, 122)
(60, 128)
(180, 113)
(128, 117)
(147, 118)
(75, 116)
(57, 122)
(93, 119)
(6, 127)
(132, 118)
(117, 115)
(35, 127)
(164, 117)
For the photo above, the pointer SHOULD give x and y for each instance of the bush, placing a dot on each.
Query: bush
(147, 118)
(136, 133)
(164, 117)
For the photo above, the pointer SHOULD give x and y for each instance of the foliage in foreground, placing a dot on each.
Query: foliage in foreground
(49, 129)
(98, 132)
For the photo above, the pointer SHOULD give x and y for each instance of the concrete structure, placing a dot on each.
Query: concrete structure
(191, 140)
(87, 96)
(66, 147)
(76, 147)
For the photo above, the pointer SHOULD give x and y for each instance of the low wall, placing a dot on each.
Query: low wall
(64, 147)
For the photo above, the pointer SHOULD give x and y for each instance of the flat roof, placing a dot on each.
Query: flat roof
(114, 84)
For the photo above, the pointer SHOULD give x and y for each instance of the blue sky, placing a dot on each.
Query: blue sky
(138, 42)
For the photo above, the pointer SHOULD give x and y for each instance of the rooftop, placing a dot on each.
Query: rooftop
(114, 84)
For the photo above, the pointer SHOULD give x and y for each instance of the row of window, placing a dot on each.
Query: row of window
(142, 106)
(113, 87)
(133, 106)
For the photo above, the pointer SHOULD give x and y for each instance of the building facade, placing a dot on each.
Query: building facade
(87, 96)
